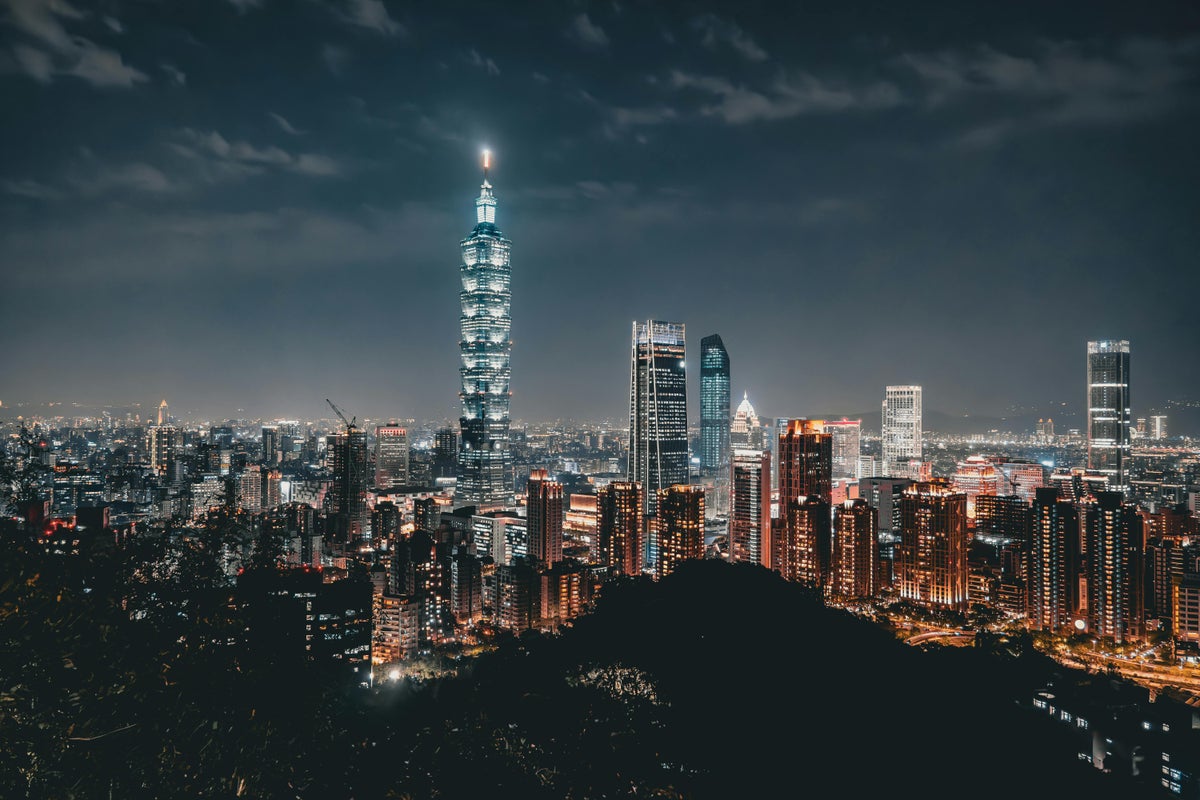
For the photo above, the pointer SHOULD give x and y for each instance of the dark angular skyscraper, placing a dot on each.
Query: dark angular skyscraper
(348, 494)
(658, 445)
(714, 405)
(484, 460)
(1108, 411)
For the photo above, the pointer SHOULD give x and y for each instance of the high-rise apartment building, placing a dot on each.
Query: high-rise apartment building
(855, 550)
(484, 459)
(901, 429)
(714, 405)
(658, 440)
(544, 516)
(679, 527)
(974, 477)
(391, 456)
(162, 444)
(847, 446)
(1108, 411)
(619, 530)
(805, 456)
(807, 546)
(1158, 426)
(1052, 575)
(1114, 558)
(750, 507)
(931, 563)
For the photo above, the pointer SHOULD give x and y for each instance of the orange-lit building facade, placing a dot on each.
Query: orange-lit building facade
(807, 550)
(544, 513)
(1115, 580)
(931, 562)
(619, 530)
(855, 546)
(679, 525)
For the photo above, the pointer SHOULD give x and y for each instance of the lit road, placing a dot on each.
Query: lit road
(929, 636)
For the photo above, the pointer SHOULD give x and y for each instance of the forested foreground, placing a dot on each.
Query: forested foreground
(720, 681)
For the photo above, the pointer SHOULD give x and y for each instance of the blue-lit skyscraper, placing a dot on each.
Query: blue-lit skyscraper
(484, 459)
(714, 405)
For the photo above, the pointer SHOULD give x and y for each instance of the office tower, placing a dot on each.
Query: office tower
(847, 446)
(805, 460)
(162, 443)
(619, 527)
(1045, 431)
(1052, 576)
(445, 453)
(745, 432)
(272, 489)
(164, 413)
(348, 494)
(901, 431)
(1115, 581)
(750, 508)
(807, 551)
(855, 550)
(1108, 411)
(974, 477)
(1158, 426)
(544, 504)
(714, 405)
(658, 441)
(270, 444)
(679, 527)
(1002, 518)
(931, 563)
(391, 456)
(1020, 477)
(484, 460)
(1185, 612)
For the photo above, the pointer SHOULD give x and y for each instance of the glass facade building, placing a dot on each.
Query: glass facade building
(658, 443)
(1108, 411)
(901, 426)
(484, 472)
(714, 405)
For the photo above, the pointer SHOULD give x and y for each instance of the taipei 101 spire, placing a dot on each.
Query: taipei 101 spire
(485, 476)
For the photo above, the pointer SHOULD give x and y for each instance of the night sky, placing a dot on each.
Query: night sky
(257, 204)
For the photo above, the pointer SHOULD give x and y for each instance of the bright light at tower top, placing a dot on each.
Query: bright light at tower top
(487, 158)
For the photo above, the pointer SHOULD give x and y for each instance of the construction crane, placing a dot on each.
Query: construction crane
(349, 422)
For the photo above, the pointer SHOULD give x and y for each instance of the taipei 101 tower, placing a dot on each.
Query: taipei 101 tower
(485, 476)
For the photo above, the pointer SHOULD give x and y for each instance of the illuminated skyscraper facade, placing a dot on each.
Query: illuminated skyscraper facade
(855, 550)
(544, 515)
(931, 565)
(714, 405)
(1108, 411)
(391, 456)
(1053, 571)
(348, 494)
(484, 459)
(1115, 578)
(805, 454)
(619, 530)
(901, 427)
(805, 460)
(750, 507)
(679, 527)
(847, 446)
(658, 441)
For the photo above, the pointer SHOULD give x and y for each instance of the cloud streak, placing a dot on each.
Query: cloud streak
(49, 50)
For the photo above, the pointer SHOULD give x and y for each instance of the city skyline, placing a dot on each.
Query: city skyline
(924, 178)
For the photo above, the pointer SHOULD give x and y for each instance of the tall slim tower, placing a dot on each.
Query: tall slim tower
(901, 426)
(1115, 577)
(750, 508)
(1108, 411)
(658, 445)
(544, 518)
(714, 405)
(484, 460)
